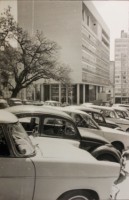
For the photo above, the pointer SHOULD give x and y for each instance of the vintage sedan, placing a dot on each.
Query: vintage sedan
(50, 169)
(98, 117)
(122, 112)
(110, 114)
(49, 122)
(52, 103)
(119, 139)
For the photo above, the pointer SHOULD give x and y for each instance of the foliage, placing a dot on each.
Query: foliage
(31, 59)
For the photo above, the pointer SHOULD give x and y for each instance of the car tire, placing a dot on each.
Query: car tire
(78, 195)
(107, 157)
(118, 146)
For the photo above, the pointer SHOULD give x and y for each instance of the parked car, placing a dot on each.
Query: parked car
(38, 103)
(121, 105)
(14, 102)
(49, 122)
(3, 104)
(122, 112)
(119, 139)
(97, 116)
(52, 103)
(50, 169)
(27, 102)
(110, 114)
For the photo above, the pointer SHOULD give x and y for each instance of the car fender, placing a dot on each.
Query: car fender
(107, 149)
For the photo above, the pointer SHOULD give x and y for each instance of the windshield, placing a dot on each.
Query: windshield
(122, 114)
(126, 113)
(22, 142)
(109, 113)
(85, 121)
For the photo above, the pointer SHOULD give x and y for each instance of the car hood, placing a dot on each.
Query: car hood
(61, 148)
(110, 122)
(58, 158)
(90, 135)
(121, 120)
(106, 129)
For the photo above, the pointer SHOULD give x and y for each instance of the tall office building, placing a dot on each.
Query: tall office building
(84, 40)
(122, 68)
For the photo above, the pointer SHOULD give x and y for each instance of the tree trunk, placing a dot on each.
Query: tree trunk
(15, 92)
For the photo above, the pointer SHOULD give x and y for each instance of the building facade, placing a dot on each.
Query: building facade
(122, 68)
(110, 91)
(84, 40)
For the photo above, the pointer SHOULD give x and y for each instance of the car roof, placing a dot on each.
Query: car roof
(70, 110)
(22, 109)
(120, 105)
(7, 117)
(51, 101)
(120, 108)
(103, 107)
(15, 99)
(84, 108)
(3, 101)
(66, 109)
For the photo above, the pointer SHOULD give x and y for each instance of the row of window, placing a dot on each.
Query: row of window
(90, 78)
(96, 52)
(100, 49)
(96, 62)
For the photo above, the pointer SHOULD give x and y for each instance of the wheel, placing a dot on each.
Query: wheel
(118, 146)
(107, 157)
(78, 195)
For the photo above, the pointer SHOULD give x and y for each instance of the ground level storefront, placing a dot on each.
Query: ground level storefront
(74, 94)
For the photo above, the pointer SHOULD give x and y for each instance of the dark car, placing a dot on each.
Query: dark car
(48, 122)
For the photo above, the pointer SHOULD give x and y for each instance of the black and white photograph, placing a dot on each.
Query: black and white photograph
(64, 100)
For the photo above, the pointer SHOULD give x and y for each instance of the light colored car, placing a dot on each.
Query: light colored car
(119, 139)
(50, 122)
(52, 103)
(14, 102)
(3, 104)
(122, 112)
(110, 114)
(98, 117)
(47, 169)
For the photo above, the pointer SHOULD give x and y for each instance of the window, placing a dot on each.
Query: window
(98, 118)
(108, 113)
(83, 121)
(30, 123)
(58, 127)
(22, 142)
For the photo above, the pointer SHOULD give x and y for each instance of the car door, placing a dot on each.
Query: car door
(16, 174)
(55, 126)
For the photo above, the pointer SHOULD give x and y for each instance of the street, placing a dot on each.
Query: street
(123, 186)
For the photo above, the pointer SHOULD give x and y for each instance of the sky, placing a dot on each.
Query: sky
(116, 16)
(114, 13)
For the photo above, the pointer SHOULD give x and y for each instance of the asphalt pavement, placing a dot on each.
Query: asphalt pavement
(122, 186)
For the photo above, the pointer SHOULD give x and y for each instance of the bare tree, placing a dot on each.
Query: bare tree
(32, 59)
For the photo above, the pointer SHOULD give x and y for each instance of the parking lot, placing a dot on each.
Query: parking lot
(123, 186)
